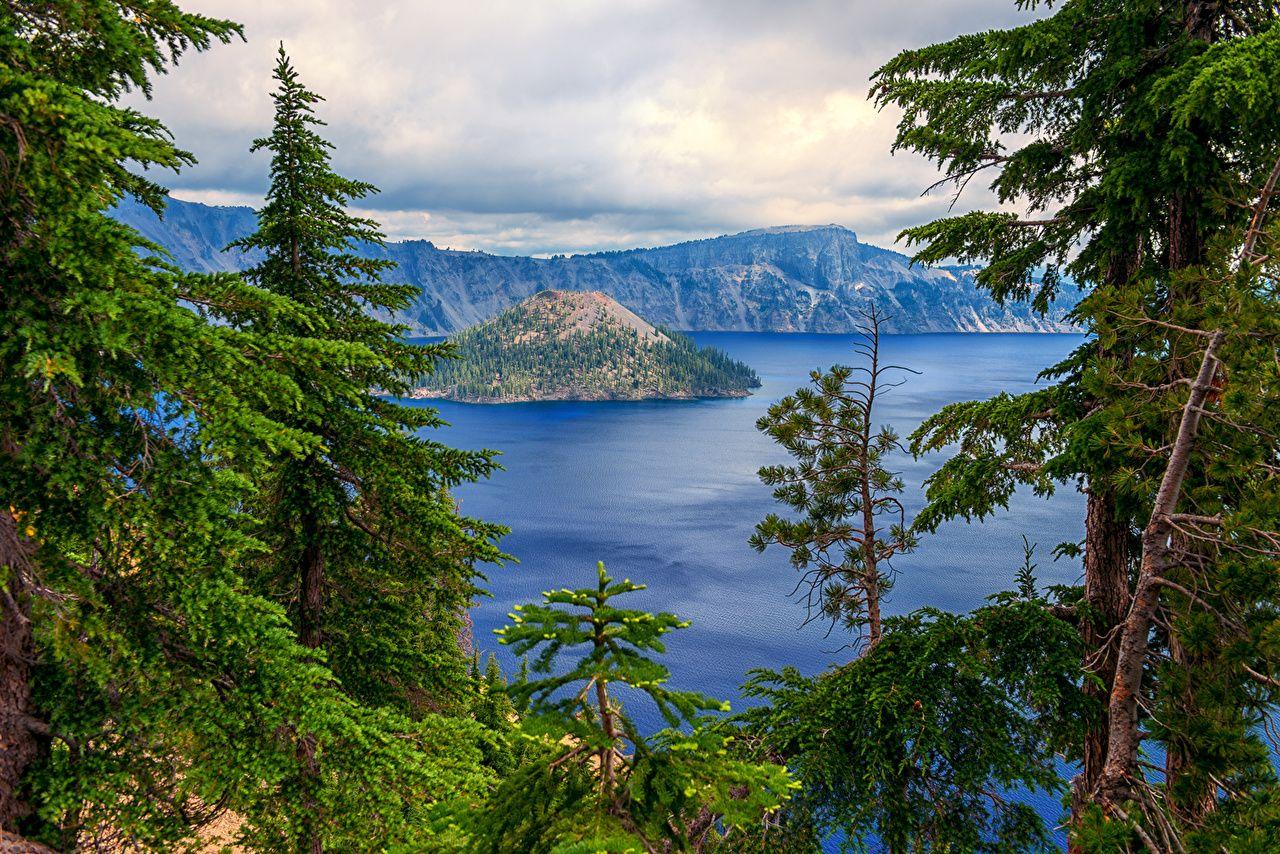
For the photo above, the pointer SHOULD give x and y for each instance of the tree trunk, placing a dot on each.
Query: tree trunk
(1106, 590)
(19, 742)
(870, 567)
(870, 564)
(606, 723)
(1202, 19)
(311, 590)
(310, 609)
(312, 842)
(1123, 736)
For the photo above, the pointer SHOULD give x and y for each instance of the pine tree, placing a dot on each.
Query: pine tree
(598, 784)
(366, 546)
(1134, 135)
(143, 687)
(840, 487)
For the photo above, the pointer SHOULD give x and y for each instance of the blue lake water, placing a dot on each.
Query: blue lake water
(666, 493)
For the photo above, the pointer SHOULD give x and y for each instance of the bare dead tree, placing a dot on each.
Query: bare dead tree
(1157, 558)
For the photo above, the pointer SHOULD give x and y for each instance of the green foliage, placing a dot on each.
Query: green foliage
(364, 544)
(840, 489)
(998, 445)
(202, 471)
(129, 425)
(371, 504)
(535, 350)
(931, 738)
(1098, 115)
(1137, 138)
(596, 784)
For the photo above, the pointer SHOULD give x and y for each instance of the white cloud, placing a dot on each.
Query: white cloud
(568, 125)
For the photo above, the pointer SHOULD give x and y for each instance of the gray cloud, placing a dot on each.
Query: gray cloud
(572, 125)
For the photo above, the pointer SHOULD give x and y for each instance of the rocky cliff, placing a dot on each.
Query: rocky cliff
(784, 279)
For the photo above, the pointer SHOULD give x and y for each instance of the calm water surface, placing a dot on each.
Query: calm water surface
(666, 493)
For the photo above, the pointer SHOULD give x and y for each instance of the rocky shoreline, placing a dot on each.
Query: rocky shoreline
(573, 395)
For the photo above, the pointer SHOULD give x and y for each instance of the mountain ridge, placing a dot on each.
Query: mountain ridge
(789, 278)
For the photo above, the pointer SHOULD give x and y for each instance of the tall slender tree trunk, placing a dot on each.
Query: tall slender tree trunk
(1123, 736)
(1106, 591)
(870, 562)
(610, 730)
(20, 743)
(310, 634)
(870, 565)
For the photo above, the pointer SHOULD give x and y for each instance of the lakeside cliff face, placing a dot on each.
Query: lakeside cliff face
(784, 279)
(580, 345)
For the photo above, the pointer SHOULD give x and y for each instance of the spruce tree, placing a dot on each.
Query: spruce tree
(144, 688)
(367, 550)
(1134, 136)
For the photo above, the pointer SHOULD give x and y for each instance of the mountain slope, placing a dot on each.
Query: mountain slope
(576, 345)
(784, 279)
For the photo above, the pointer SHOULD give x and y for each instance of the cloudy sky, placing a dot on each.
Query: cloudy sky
(574, 125)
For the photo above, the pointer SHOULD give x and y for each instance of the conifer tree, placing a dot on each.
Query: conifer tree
(144, 688)
(599, 784)
(366, 546)
(916, 744)
(1134, 136)
(840, 486)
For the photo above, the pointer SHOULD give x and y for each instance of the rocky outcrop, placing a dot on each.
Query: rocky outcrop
(580, 345)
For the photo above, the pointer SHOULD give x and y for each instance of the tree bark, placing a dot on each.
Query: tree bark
(1123, 736)
(311, 590)
(310, 634)
(1106, 587)
(870, 565)
(20, 744)
(1106, 591)
(1202, 19)
(870, 562)
(312, 842)
(610, 731)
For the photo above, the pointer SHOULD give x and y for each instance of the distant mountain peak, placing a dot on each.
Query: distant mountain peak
(796, 229)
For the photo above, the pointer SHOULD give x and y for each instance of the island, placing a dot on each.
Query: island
(580, 345)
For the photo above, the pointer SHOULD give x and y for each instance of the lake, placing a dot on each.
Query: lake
(666, 493)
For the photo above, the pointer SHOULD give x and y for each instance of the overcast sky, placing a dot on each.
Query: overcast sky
(574, 125)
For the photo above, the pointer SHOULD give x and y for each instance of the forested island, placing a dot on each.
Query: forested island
(580, 345)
